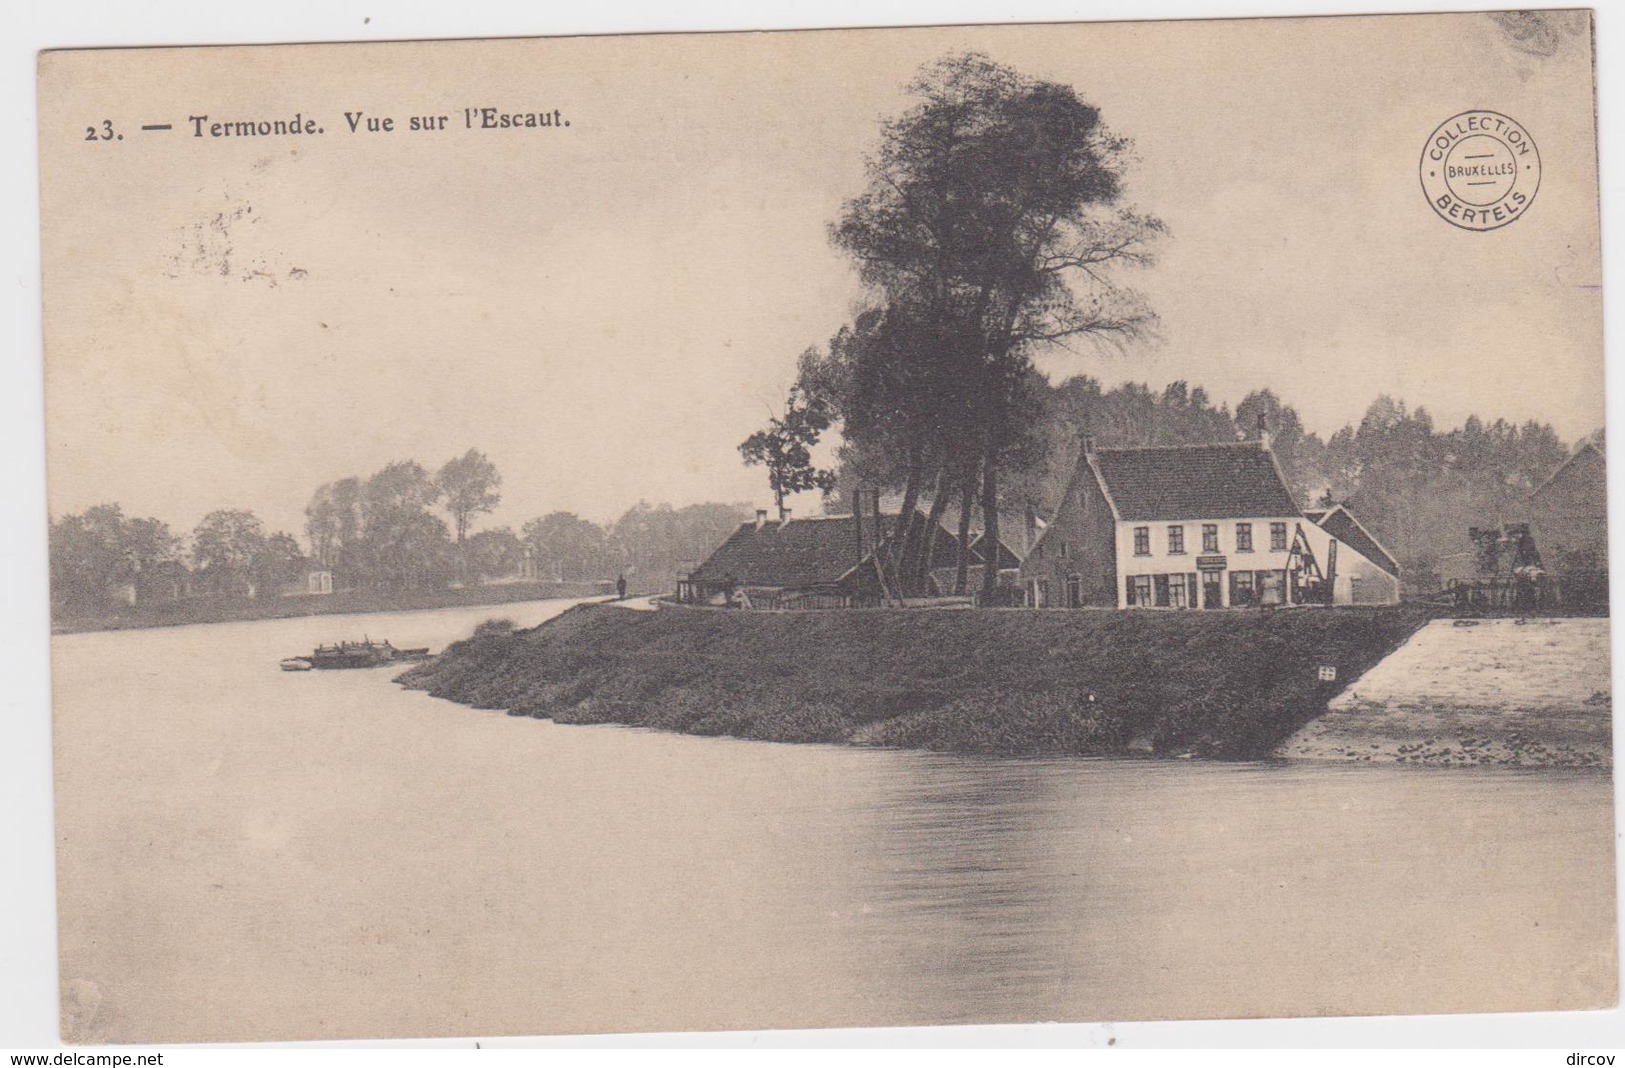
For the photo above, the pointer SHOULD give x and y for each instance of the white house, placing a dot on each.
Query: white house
(1198, 526)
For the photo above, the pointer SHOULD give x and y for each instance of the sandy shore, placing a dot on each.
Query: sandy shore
(1503, 692)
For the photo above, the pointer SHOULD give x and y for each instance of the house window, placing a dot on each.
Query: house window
(1176, 539)
(1210, 537)
(1241, 588)
(1142, 541)
(1278, 537)
(1139, 590)
(1244, 537)
(1074, 591)
(1063, 549)
(1178, 591)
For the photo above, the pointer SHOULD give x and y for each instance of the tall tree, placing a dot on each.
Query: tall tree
(279, 563)
(470, 485)
(785, 446)
(406, 545)
(333, 524)
(226, 546)
(993, 211)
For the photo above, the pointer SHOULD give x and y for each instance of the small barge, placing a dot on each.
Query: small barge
(362, 654)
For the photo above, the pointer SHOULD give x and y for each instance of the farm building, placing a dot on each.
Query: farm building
(1361, 570)
(1568, 520)
(820, 562)
(1198, 526)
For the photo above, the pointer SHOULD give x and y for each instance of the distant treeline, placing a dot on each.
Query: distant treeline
(1417, 487)
(400, 529)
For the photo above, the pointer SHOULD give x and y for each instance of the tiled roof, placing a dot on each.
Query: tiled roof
(797, 553)
(1238, 481)
(1346, 529)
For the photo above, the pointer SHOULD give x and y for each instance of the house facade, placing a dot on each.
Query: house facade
(1197, 526)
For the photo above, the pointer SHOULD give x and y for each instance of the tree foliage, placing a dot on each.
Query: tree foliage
(93, 554)
(226, 546)
(992, 225)
(566, 547)
(495, 554)
(381, 532)
(1418, 488)
(470, 485)
(785, 446)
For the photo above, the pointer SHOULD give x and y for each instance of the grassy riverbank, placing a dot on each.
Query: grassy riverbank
(343, 602)
(1224, 684)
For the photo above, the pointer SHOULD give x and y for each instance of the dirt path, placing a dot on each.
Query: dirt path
(635, 604)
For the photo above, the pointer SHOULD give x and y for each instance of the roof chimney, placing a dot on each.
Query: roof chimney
(1263, 431)
(761, 518)
(1088, 444)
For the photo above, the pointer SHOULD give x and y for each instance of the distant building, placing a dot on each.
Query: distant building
(1198, 526)
(313, 581)
(1568, 520)
(1568, 513)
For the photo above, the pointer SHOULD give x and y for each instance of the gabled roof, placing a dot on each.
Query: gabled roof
(1007, 555)
(1346, 529)
(795, 552)
(818, 551)
(1182, 482)
(1588, 447)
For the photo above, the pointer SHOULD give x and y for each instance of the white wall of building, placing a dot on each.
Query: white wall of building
(1160, 561)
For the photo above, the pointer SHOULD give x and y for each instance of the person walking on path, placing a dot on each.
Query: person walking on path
(620, 588)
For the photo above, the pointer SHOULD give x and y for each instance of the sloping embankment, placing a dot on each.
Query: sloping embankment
(1532, 692)
(1227, 684)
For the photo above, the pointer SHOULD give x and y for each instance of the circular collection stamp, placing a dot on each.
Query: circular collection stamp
(1480, 170)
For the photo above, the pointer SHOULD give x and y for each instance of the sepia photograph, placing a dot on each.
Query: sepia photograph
(846, 528)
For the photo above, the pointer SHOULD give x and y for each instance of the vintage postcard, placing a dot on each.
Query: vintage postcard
(1078, 522)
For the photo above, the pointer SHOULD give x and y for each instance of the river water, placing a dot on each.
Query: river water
(251, 854)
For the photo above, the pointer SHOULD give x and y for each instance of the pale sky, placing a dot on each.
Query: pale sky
(607, 310)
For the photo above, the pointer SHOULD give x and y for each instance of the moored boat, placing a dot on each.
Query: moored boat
(362, 654)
